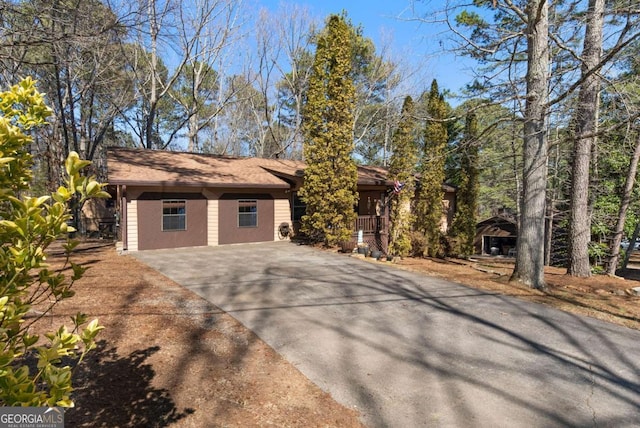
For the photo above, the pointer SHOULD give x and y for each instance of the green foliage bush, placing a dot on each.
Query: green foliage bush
(418, 244)
(598, 252)
(428, 207)
(401, 169)
(463, 227)
(28, 226)
(331, 177)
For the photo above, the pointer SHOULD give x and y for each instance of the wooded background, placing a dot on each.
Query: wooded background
(555, 100)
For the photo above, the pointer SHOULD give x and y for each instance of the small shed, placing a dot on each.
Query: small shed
(496, 236)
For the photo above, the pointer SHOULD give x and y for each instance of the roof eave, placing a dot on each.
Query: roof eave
(117, 182)
(370, 182)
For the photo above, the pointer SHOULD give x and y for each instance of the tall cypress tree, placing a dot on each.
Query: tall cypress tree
(428, 205)
(464, 223)
(331, 176)
(402, 169)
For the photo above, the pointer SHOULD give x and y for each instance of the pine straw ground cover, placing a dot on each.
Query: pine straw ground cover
(167, 357)
(600, 296)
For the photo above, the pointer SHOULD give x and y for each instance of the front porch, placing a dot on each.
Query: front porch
(375, 232)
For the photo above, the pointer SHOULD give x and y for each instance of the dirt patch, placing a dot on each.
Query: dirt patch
(167, 357)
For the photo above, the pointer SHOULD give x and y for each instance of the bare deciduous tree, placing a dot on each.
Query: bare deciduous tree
(173, 35)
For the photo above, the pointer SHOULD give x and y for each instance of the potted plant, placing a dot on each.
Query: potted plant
(363, 249)
(347, 246)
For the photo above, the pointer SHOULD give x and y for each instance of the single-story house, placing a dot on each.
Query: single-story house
(175, 199)
(496, 236)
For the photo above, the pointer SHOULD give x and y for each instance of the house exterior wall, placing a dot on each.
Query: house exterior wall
(212, 216)
(213, 219)
(229, 232)
(370, 200)
(281, 214)
(449, 207)
(212, 222)
(132, 225)
(150, 233)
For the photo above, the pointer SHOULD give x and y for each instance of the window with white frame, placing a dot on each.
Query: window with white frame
(174, 214)
(247, 213)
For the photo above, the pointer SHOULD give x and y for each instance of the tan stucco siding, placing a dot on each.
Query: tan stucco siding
(212, 222)
(151, 232)
(230, 231)
(132, 225)
(281, 214)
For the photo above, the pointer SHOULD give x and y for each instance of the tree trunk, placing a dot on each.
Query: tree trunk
(529, 267)
(622, 214)
(153, 97)
(586, 128)
(193, 127)
(194, 145)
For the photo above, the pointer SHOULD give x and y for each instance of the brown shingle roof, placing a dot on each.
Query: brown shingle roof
(373, 175)
(152, 167)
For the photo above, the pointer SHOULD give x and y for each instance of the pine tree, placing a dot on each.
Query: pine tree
(464, 223)
(402, 169)
(330, 179)
(428, 205)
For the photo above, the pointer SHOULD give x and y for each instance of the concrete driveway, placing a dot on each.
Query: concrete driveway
(408, 350)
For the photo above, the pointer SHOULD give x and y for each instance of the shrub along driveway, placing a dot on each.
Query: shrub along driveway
(411, 350)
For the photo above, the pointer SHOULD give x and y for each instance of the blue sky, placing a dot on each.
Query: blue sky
(420, 42)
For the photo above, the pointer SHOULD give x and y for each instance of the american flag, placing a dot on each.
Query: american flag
(397, 186)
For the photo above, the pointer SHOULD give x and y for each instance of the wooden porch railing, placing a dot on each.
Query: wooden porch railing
(371, 224)
(375, 231)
